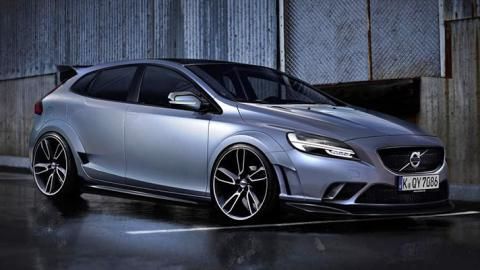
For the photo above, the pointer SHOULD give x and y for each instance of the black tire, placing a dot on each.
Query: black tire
(56, 189)
(270, 202)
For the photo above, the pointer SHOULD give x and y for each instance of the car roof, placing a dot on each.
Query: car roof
(187, 61)
(173, 61)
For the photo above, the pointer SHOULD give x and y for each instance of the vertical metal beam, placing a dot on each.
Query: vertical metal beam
(281, 35)
(441, 24)
(369, 33)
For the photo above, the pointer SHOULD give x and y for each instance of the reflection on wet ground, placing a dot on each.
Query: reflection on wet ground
(91, 232)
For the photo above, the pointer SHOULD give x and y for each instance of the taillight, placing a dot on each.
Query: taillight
(38, 107)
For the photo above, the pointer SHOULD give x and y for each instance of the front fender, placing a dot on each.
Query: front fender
(262, 141)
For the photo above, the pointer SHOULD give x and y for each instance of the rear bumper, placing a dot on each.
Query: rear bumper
(372, 209)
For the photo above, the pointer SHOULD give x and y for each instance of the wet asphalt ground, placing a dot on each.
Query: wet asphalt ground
(100, 232)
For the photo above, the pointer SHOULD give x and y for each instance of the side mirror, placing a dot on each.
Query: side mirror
(185, 99)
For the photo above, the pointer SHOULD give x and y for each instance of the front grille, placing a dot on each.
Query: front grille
(387, 194)
(398, 159)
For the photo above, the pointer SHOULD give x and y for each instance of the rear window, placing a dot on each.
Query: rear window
(112, 84)
(81, 86)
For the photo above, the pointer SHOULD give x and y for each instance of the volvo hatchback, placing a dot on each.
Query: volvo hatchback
(241, 137)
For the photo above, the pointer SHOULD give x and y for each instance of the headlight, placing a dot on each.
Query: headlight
(320, 145)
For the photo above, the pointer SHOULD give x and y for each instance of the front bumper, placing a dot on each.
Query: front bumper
(373, 210)
(313, 176)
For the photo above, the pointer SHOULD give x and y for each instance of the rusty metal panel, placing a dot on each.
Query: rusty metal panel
(405, 38)
(327, 41)
(464, 100)
(433, 114)
(16, 111)
(451, 107)
(461, 9)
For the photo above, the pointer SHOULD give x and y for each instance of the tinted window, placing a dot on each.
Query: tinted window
(266, 88)
(159, 82)
(255, 84)
(113, 84)
(81, 85)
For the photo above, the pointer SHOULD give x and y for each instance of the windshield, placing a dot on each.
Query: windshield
(254, 84)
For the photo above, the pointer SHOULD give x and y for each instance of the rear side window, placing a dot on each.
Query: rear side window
(113, 84)
(81, 86)
(158, 82)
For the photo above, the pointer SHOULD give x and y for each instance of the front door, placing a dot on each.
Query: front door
(166, 147)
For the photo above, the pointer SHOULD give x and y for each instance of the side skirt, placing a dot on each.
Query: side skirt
(136, 194)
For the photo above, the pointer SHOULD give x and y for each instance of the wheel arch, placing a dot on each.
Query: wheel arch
(272, 150)
(68, 134)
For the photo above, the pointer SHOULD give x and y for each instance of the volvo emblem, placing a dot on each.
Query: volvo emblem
(415, 159)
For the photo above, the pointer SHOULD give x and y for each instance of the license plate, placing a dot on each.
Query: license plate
(418, 182)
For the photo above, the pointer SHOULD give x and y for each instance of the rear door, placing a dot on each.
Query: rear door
(166, 147)
(99, 120)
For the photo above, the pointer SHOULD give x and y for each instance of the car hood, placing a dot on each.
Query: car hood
(342, 123)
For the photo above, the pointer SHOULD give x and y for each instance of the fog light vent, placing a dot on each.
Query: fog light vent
(333, 191)
(342, 191)
(349, 190)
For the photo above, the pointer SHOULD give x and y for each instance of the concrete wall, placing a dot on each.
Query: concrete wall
(17, 97)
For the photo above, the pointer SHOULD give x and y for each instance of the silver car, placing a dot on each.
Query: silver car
(244, 138)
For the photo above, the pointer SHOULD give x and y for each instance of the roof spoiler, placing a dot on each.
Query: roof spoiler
(65, 72)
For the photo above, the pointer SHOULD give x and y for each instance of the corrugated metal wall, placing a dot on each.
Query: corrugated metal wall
(329, 42)
(405, 38)
(36, 35)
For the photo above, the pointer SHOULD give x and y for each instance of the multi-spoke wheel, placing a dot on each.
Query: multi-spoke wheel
(52, 165)
(243, 186)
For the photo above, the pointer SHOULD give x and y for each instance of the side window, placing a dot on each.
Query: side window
(81, 86)
(113, 84)
(158, 82)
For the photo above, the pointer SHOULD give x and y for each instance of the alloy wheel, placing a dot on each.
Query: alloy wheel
(240, 183)
(50, 164)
